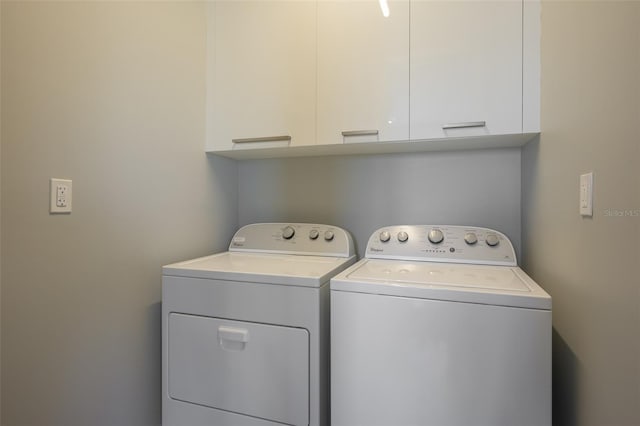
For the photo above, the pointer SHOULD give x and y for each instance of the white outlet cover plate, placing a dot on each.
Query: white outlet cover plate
(54, 186)
(586, 194)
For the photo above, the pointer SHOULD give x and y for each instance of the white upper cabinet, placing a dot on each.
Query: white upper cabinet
(363, 72)
(261, 82)
(466, 68)
(300, 77)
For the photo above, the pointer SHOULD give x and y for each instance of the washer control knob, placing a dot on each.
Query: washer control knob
(403, 236)
(328, 235)
(470, 238)
(492, 240)
(436, 236)
(385, 236)
(288, 233)
(313, 234)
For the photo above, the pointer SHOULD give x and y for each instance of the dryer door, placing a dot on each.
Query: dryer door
(247, 368)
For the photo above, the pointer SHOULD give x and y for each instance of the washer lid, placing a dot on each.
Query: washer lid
(305, 271)
(494, 285)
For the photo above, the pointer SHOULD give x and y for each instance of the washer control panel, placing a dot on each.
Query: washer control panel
(438, 243)
(294, 238)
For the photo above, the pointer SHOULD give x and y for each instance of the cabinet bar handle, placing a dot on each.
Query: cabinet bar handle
(263, 139)
(360, 133)
(466, 124)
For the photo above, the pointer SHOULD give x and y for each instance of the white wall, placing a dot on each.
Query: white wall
(111, 95)
(590, 122)
(363, 193)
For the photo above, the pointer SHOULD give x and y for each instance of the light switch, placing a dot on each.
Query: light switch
(60, 195)
(586, 194)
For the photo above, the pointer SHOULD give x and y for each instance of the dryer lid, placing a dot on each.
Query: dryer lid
(304, 271)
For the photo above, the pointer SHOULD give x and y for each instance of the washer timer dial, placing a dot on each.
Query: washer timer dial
(470, 238)
(436, 236)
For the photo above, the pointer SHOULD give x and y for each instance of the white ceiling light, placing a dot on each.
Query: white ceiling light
(384, 6)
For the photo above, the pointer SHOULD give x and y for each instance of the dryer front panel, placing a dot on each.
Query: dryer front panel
(248, 368)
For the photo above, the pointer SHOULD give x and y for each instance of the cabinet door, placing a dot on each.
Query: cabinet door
(363, 71)
(262, 68)
(466, 68)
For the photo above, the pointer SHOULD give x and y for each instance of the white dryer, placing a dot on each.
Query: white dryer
(438, 326)
(246, 332)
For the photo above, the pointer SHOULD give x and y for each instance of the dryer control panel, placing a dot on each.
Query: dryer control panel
(442, 243)
(294, 238)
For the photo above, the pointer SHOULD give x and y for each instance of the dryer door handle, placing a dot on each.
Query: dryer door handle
(232, 338)
(233, 334)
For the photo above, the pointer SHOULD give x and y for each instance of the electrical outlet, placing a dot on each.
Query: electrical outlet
(60, 195)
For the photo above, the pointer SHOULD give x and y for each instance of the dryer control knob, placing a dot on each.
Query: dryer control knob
(492, 240)
(436, 236)
(328, 235)
(385, 236)
(313, 234)
(470, 238)
(288, 233)
(403, 236)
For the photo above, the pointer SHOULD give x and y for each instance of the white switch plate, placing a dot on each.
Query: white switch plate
(586, 194)
(60, 195)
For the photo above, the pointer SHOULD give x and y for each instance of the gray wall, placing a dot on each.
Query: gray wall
(0, 219)
(363, 193)
(590, 121)
(111, 95)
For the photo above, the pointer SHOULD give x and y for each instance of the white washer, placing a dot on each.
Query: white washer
(246, 332)
(438, 326)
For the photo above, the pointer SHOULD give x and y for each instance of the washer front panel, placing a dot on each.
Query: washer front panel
(408, 362)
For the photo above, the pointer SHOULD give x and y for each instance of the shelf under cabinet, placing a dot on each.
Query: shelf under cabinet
(367, 148)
